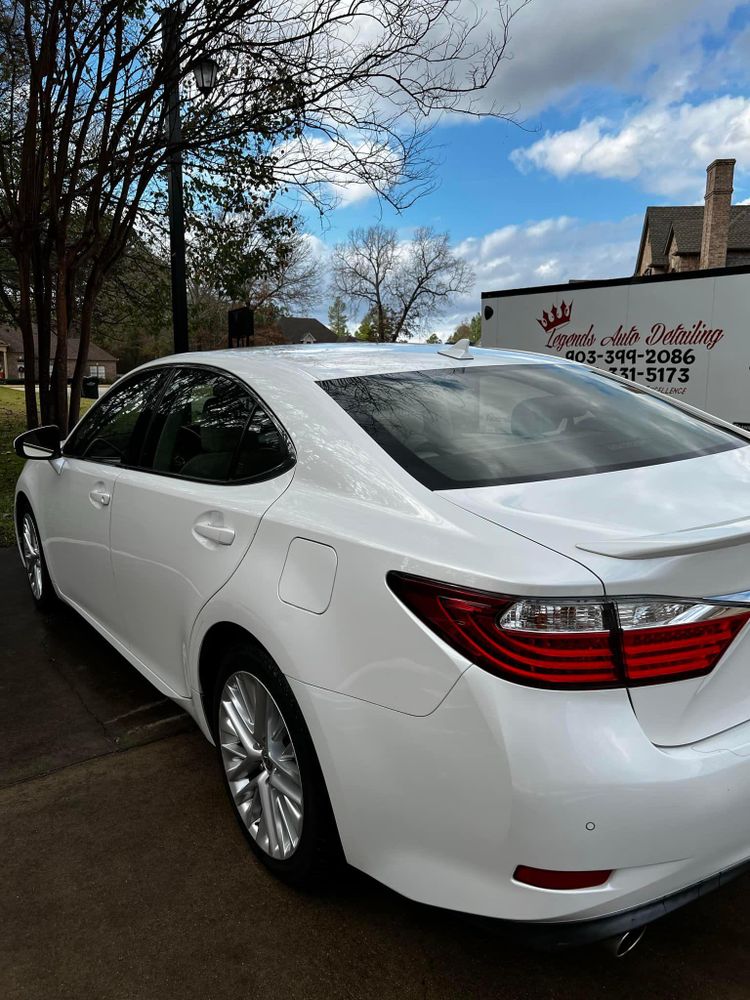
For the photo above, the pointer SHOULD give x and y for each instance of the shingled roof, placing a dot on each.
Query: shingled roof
(296, 328)
(687, 223)
(688, 233)
(11, 336)
(657, 224)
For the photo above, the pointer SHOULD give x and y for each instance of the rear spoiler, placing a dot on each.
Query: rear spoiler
(675, 543)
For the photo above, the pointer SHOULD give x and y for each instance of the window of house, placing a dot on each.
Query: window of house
(99, 371)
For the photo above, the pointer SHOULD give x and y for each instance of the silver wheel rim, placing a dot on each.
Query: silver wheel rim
(32, 555)
(260, 764)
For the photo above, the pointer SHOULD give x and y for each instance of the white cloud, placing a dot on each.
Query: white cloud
(319, 249)
(665, 149)
(551, 250)
(548, 251)
(558, 47)
(350, 192)
(539, 252)
(338, 173)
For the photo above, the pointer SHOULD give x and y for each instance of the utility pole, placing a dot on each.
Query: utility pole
(171, 44)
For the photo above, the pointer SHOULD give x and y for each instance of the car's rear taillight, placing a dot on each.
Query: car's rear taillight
(575, 643)
(664, 640)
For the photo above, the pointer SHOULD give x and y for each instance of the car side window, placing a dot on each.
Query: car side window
(263, 449)
(112, 432)
(208, 427)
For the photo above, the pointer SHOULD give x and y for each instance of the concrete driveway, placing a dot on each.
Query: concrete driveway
(124, 876)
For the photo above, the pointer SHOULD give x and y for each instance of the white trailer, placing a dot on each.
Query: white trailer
(685, 334)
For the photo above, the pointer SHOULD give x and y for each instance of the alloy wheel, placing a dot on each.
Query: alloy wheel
(260, 764)
(32, 555)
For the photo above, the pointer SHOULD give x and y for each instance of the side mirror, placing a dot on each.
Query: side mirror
(40, 442)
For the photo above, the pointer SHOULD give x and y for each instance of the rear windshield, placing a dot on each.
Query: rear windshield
(493, 425)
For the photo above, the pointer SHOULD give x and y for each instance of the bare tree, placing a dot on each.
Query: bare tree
(312, 95)
(402, 284)
(293, 283)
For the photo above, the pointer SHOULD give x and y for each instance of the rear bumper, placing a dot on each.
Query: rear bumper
(558, 935)
(442, 808)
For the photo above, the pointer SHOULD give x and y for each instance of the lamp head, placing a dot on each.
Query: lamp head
(205, 70)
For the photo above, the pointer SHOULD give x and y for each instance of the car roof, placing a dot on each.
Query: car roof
(330, 361)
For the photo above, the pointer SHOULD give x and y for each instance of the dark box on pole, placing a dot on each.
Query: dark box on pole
(241, 323)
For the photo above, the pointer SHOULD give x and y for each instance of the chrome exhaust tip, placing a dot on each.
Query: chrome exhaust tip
(622, 944)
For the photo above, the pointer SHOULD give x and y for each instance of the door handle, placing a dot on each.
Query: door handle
(214, 532)
(100, 496)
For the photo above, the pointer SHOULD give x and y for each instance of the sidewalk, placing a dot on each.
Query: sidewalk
(20, 388)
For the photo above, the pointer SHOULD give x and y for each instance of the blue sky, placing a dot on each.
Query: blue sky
(624, 103)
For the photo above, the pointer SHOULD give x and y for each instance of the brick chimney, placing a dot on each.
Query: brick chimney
(719, 177)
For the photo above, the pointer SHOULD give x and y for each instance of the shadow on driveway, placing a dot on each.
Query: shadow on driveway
(65, 694)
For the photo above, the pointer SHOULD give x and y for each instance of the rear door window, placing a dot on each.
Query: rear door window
(499, 424)
(209, 427)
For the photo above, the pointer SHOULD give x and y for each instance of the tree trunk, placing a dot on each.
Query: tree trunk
(59, 387)
(42, 307)
(27, 332)
(381, 322)
(93, 286)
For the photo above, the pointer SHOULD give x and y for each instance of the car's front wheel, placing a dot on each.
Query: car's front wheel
(33, 559)
(271, 770)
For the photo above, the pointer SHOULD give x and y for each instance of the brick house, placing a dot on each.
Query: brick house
(100, 363)
(695, 237)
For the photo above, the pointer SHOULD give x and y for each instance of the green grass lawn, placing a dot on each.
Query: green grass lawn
(12, 423)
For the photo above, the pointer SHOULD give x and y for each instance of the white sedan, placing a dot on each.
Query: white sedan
(475, 620)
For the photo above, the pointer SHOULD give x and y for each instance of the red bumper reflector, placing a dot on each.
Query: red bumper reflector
(543, 878)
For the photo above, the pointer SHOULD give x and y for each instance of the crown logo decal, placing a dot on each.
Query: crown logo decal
(555, 317)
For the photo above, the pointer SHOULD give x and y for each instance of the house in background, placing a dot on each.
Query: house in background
(100, 363)
(304, 330)
(695, 237)
(247, 331)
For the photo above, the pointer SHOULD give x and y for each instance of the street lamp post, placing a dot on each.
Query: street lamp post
(205, 71)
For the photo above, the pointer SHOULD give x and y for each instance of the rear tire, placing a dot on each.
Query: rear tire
(270, 769)
(32, 557)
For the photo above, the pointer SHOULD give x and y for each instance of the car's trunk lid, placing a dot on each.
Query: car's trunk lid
(676, 529)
